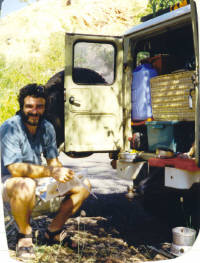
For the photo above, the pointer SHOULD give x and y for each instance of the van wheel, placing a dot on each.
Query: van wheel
(54, 89)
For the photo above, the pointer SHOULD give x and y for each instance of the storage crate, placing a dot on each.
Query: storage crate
(174, 135)
(163, 63)
(169, 97)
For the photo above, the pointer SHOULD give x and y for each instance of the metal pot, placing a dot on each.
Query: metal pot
(183, 236)
(128, 157)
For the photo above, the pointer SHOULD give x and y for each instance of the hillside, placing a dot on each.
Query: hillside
(29, 32)
(32, 39)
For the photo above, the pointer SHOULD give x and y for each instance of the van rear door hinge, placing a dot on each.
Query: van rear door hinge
(195, 79)
(64, 95)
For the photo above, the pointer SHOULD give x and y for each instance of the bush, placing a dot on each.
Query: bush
(17, 74)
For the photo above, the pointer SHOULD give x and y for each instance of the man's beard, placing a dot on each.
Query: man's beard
(25, 118)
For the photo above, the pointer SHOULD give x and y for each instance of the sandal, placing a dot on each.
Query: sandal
(66, 241)
(24, 253)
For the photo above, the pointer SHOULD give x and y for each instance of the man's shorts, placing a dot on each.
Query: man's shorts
(42, 206)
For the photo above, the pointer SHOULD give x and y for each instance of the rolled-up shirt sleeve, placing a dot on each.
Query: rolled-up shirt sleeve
(50, 150)
(10, 144)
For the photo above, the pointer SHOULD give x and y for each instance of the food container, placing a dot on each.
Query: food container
(183, 236)
(183, 239)
(169, 135)
(128, 157)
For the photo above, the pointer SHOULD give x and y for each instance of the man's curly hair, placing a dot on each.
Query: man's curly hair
(33, 90)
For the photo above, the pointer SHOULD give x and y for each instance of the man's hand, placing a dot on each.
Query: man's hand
(62, 174)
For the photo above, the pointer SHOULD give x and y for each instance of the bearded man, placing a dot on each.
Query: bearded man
(24, 138)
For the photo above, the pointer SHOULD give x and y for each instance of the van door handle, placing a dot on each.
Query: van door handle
(73, 101)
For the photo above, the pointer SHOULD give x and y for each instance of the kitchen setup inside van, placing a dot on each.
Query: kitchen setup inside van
(164, 96)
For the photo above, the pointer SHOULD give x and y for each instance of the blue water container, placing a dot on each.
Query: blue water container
(141, 93)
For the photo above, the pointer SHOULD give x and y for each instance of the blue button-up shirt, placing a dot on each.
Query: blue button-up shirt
(19, 146)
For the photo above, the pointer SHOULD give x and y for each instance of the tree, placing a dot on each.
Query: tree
(166, 3)
(156, 5)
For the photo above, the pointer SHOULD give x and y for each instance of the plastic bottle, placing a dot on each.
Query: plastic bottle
(141, 93)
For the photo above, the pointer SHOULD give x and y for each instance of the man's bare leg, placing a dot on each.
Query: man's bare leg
(21, 193)
(69, 206)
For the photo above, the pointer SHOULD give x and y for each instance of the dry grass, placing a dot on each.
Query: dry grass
(32, 39)
(26, 33)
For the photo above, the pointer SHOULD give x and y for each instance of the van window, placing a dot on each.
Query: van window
(96, 61)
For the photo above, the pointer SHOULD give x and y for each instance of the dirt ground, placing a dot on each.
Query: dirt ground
(111, 229)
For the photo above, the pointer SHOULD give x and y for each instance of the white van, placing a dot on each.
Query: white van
(99, 115)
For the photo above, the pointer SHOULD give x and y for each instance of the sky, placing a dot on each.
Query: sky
(10, 6)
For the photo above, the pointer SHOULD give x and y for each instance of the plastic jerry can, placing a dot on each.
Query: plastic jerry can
(141, 93)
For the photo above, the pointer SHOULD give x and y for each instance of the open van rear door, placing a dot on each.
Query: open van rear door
(195, 14)
(93, 93)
